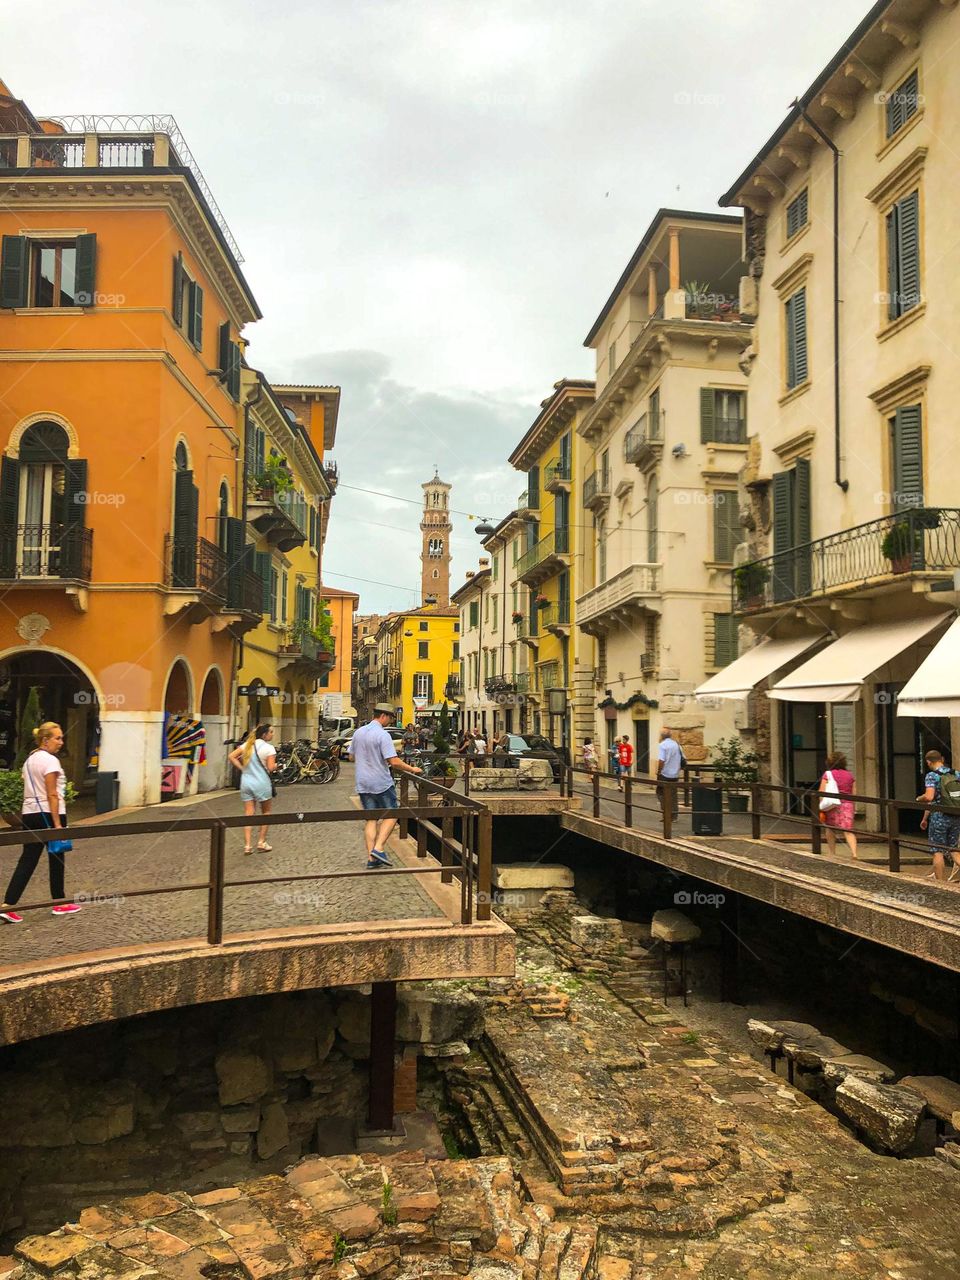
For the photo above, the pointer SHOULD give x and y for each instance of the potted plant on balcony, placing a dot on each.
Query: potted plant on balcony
(541, 602)
(898, 546)
(275, 478)
(750, 581)
(700, 302)
(735, 768)
(516, 617)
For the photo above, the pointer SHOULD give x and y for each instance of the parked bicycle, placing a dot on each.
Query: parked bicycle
(302, 761)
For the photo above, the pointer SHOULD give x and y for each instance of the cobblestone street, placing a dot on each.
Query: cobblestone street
(101, 873)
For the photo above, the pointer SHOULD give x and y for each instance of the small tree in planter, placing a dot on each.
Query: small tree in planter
(735, 768)
(898, 546)
(750, 581)
(443, 766)
(30, 718)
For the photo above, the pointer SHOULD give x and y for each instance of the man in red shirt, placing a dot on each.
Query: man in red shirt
(625, 757)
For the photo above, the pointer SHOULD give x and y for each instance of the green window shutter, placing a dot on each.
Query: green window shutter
(908, 252)
(233, 385)
(9, 502)
(724, 639)
(261, 567)
(74, 520)
(235, 550)
(797, 213)
(801, 525)
(726, 526)
(196, 315)
(907, 458)
(177, 307)
(783, 535)
(85, 284)
(892, 263)
(533, 486)
(14, 271)
(474, 612)
(708, 402)
(796, 316)
(223, 350)
(186, 506)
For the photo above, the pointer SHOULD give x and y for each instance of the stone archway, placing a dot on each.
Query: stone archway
(64, 693)
(178, 693)
(213, 774)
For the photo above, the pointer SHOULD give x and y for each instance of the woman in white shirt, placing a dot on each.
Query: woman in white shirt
(44, 806)
(256, 758)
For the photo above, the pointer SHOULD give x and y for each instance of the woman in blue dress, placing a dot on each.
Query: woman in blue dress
(943, 829)
(256, 758)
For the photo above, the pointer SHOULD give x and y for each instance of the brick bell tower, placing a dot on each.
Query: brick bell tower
(435, 556)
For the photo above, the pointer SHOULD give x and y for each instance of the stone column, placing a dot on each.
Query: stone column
(651, 289)
(212, 775)
(674, 234)
(131, 743)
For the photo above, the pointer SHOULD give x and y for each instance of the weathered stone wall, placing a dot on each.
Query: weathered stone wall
(197, 1098)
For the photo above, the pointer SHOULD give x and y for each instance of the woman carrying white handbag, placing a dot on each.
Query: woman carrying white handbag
(837, 814)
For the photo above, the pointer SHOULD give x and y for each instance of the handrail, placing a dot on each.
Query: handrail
(668, 795)
(473, 854)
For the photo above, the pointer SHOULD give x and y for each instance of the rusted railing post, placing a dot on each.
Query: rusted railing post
(595, 784)
(466, 777)
(421, 838)
(628, 801)
(563, 780)
(893, 840)
(484, 863)
(218, 862)
(816, 830)
(404, 823)
(755, 810)
(446, 854)
(686, 785)
(667, 792)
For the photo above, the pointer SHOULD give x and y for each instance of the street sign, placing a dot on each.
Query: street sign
(419, 703)
(258, 691)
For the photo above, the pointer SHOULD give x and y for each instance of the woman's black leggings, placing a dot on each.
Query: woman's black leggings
(27, 863)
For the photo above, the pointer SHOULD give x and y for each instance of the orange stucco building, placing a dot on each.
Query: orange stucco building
(125, 561)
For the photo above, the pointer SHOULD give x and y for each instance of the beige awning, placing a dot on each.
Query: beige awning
(837, 673)
(934, 689)
(744, 674)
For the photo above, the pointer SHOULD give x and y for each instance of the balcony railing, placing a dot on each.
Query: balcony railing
(556, 614)
(634, 588)
(528, 628)
(44, 552)
(495, 685)
(332, 473)
(522, 681)
(195, 564)
(556, 543)
(596, 489)
(556, 474)
(454, 687)
(548, 676)
(920, 540)
(113, 142)
(245, 592)
(642, 440)
(300, 644)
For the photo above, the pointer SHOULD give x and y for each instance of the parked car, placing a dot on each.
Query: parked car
(532, 747)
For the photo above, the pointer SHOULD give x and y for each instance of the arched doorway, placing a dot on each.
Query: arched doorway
(213, 773)
(178, 774)
(211, 696)
(37, 685)
(178, 697)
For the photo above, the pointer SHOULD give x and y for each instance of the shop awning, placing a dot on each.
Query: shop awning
(934, 689)
(837, 673)
(744, 674)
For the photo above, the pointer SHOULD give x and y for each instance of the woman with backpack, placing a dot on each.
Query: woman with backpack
(836, 814)
(942, 825)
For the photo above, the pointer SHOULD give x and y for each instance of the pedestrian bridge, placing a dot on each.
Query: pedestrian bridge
(174, 914)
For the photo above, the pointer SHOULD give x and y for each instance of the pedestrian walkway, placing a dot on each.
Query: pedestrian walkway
(101, 873)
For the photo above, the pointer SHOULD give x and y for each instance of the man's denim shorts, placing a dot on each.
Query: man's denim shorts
(385, 800)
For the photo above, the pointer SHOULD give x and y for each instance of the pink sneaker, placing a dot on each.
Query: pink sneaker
(65, 909)
(11, 917)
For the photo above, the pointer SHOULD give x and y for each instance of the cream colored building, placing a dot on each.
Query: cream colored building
(851, 477)
(656, 484)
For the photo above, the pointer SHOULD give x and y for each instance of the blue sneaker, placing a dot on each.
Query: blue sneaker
(381, 859)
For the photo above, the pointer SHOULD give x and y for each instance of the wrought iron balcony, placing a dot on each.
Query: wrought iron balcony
(556, 616)
(332, 473)
(522, 681)
(548, 556)
(596, 490)
(301, 648)
(93, 143)
(922, 540)
(454, 687)
(556, 475)
(528, 501)
(194, 564)
(495, 685)
(245, 593)
(46, 553)
(728, 430)
(528, 628)
(548, 676)
(643, 443)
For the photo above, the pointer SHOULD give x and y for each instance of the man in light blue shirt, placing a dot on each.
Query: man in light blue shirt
(375, 754)
(669, 763)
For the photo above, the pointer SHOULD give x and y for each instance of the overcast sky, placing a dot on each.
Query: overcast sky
(434, 199)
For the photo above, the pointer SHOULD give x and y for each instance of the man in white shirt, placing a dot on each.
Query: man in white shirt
(375, 754)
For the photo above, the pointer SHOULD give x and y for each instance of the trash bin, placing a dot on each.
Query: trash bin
(707, 810)
(107, 794)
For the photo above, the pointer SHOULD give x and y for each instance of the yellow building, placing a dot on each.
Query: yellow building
(561, 658)
(286, 490)
(419, 652)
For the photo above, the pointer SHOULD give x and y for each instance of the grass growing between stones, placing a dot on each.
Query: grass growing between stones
(389, 1208)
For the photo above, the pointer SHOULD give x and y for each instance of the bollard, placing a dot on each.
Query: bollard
(218, 856)
(893, 843)
(628, 801)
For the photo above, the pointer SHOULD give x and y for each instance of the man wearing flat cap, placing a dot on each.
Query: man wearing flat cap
(375, 754)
